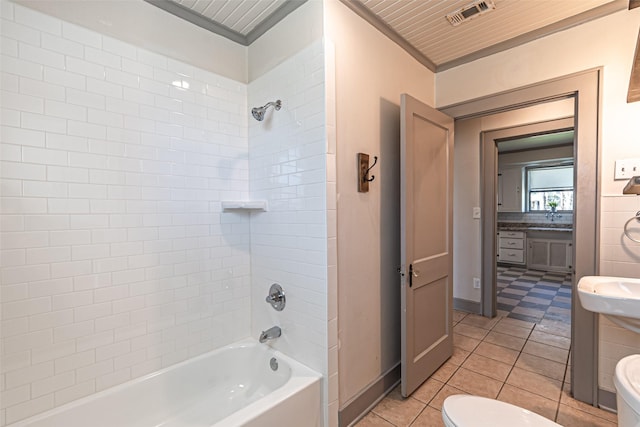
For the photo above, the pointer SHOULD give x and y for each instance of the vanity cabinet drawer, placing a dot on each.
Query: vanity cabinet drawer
(511, 255)
(511, 243)
(512, 234)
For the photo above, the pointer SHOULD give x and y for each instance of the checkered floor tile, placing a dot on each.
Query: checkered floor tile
(533, 295)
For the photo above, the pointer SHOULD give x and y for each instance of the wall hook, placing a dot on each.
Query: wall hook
(366, 174)
(363, 172)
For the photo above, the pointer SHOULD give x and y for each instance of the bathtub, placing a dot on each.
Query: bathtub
(230, 387)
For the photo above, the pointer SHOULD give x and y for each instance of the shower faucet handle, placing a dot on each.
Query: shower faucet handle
(276, 297)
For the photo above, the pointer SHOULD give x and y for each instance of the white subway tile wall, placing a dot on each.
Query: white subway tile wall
(116, 257)
(619, 256)
(287, 164)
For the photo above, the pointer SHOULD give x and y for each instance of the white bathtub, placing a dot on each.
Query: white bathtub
(230, 387)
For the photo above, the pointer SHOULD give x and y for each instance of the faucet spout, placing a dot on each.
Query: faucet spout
(270, 334)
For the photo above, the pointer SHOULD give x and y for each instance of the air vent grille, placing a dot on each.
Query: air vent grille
(470, 11)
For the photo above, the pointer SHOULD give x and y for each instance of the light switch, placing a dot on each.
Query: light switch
(476, 213)
(627, 168)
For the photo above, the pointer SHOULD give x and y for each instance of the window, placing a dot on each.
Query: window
(550, 187)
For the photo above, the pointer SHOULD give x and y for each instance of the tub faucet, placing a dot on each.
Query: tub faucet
(270, 334)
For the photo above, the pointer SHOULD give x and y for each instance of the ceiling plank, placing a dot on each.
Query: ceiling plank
(573, 21)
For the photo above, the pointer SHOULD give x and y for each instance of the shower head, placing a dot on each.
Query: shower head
(258, 112)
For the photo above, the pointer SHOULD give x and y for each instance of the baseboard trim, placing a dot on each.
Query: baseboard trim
(466, 305)
(607, 400)
(360, 405)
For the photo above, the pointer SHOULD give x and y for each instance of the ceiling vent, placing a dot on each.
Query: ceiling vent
(470, 11)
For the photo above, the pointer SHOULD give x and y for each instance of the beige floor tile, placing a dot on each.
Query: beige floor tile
(373, 420)
(546, 351)
(517, 322)
(568, 400)
(475, 383)
(398, 410)
(445, 371)
(503, 313)
(444, 392)
(496, 352)
(470, 331)
(524, 399)
(510, 329)
(427, 390)
(504, 340)
(430, 417)
(459, 315)
(487, 367)
(459, 356)
(541, 366)
(465, 343)
(554, 327)
(550, 339)
(535, 383)
(569, 416)
(480, 321)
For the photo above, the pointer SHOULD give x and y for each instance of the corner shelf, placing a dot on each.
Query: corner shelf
(245, 205)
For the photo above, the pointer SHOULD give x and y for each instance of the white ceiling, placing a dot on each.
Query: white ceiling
(419, 26)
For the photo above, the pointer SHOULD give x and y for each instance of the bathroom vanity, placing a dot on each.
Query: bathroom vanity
(545, 246)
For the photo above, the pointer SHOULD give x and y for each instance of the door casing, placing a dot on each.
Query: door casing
(586, 91)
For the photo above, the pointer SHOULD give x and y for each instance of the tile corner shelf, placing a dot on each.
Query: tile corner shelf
(245, 205)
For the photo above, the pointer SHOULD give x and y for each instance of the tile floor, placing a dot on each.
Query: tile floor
(516, 361)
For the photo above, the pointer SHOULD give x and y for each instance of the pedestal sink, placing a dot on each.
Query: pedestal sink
(618, 298)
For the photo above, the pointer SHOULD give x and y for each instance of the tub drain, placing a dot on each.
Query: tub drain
(274, 364)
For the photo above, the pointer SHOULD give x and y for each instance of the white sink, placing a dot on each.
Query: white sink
(618, 298)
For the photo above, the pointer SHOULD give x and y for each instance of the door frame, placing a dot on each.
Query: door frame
(488, 171)
(585, 88)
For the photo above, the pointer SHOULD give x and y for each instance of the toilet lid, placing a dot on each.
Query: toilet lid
(474, 411)
(627, 380)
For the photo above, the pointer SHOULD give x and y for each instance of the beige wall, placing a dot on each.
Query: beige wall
(371, 73)
(607, 42)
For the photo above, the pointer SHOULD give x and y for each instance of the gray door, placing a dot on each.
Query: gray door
(426, 170)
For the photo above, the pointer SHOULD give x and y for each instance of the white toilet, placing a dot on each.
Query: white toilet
(627, 382)
(461, 410)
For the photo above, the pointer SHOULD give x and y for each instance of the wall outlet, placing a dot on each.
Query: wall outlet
(476, 213)
(627, 168)
(476, 283)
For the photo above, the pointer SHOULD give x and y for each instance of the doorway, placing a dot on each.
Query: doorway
(530, 237)
(582, 91)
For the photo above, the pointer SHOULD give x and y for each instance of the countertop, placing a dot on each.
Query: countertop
(521, 226)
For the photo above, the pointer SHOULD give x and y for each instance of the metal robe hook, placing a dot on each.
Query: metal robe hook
(366, 174)
(363, 172)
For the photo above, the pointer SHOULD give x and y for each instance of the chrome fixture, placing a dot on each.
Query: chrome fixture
(270, 334)
(276, 297)
(258, 112)
(552, 214)
(626, 227)
(633, 186)
(274, 364)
